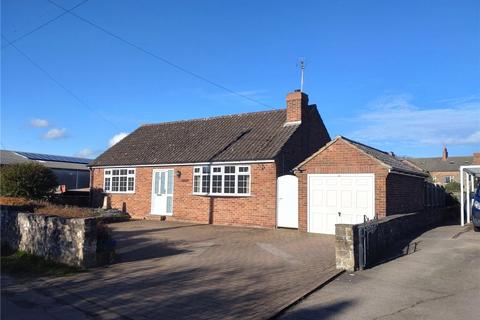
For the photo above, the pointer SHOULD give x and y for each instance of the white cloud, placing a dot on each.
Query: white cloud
(39, 123)
(84, 153)
(55, 133)
(394, 120)
(116, 138)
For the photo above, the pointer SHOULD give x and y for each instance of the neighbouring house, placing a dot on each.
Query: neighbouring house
(443, 169)
(220, 170)
(71, 172)
(347, 181)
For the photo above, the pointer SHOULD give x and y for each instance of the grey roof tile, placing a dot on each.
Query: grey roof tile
(390, 160)
(438, 165)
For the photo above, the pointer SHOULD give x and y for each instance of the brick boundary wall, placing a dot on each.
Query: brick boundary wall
(72, 241)
(391, 232)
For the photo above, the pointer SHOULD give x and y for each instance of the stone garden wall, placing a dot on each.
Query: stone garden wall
(385, 236)
(72, 241)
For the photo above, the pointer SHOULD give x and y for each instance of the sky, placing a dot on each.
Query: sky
(401, 76)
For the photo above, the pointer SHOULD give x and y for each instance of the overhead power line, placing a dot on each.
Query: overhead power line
(44, 24)
(157, 57)
(58, 83)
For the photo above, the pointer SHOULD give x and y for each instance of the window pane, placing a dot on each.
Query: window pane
(206, 169)
(131, 184)
(115, 172)
(131, 171)
(243, 184)
(123, 184)
(216, 184)
(243, 169)
(196, 170)
(196, 184)
(230, 169)
(229, 184)
(156, 182)
(217, 169)
(123, 171)
(115, 184)
(107, 184)
(170, 182)
(169, 204)
(162, 183)
(107, 172)
(206, 183)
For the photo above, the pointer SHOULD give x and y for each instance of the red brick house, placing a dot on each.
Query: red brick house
(220, 170)
(346, 181)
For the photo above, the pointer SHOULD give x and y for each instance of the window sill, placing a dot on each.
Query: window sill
(119, 192)
(222, 195)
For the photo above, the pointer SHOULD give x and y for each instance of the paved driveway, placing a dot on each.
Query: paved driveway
(180, 271)
(441, 280)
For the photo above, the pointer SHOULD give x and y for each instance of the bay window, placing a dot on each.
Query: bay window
(119, 180)
(222, 180)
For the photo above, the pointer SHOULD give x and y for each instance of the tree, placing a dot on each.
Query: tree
(30, 180)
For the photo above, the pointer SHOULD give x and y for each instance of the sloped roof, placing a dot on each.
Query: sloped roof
(48, 160)
(10, 157)
(248, 136)
(389, 160)
(438, 165)
(52, 157)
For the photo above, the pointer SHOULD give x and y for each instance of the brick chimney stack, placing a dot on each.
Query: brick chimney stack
(445, 153)
(297, 103)
(476, 158)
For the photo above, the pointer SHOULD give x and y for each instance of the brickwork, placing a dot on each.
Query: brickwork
(393, 193)
(439, 177)
(258, 209)
(297, 102)
(404, 194)
(340, 157)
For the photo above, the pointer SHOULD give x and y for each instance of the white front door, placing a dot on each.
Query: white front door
(162, 192)
(287, 201)
(339, 198)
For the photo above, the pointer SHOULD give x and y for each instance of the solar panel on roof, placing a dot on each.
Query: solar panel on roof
(50, 157)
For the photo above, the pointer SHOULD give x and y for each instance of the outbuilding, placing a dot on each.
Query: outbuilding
(347, 182)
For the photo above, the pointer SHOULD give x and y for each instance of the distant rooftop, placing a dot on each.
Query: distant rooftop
(51, 157)
(52, 161)
(437, 164)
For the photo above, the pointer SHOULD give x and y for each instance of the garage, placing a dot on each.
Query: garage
(347, 182)
(339, 198)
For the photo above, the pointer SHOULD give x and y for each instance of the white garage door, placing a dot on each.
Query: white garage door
(339, 198)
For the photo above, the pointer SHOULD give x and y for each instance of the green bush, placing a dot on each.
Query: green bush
(452, 187)
(30, 180)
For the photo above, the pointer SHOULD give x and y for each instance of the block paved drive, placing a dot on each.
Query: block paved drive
(169, 270)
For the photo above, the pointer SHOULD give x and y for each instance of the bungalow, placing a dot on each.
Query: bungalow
(220, 170)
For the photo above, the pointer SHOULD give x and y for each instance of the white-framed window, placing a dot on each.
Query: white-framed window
(121, 180)
(227, 180)
(448, 179)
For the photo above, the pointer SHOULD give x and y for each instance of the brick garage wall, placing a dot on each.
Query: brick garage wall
(341, 158)
(404, 194)
(258, 209)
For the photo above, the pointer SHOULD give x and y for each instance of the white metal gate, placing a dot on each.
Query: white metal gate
(287, 201)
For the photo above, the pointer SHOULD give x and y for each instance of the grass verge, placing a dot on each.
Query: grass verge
(24, 265)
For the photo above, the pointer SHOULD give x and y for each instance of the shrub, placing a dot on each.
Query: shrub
(29, 180)
(452, 187)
